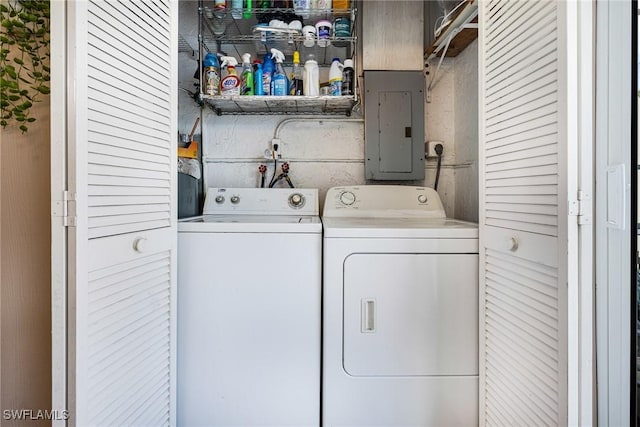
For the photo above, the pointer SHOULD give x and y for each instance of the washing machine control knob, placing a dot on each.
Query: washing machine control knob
(235, 200)
(296, 200)
(422, 199)
(220, 199)
(347, 198)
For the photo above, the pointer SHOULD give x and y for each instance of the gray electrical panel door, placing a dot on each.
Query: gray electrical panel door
(394, 125)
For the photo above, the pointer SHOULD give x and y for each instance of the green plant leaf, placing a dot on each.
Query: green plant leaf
(43, 89)
(3, 123)
(13, 97)
(23, 128)
(18, 61)
(31, 119)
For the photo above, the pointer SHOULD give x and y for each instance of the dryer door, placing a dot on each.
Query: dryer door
(410, 314)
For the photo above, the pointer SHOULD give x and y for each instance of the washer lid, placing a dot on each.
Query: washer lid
(250, 224)
(402, 228)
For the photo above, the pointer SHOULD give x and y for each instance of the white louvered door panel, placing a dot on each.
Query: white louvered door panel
(523, 213)
(122, 121)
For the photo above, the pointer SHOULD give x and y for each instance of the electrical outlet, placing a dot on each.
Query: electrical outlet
(430, 149)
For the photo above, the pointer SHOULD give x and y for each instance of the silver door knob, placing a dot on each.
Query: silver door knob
(235, 200)
(220, 199)
(140, 244)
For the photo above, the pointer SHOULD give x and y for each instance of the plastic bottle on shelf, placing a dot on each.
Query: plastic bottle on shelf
(257, 79)
(220, 7)
(211, 75)
(230, 85)
(340, 4)
(279, 81)
(248, 9)
(323, 7)
(311, 77)
(296, 76)
(264, 4)
(246, 79)
(267, 72)
(301, 7)
(335, 77)
(348, 78)
(236, 9)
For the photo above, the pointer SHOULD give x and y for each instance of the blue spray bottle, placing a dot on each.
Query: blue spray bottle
(279, 81)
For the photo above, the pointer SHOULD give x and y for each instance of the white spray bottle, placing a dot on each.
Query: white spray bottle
(230, 85)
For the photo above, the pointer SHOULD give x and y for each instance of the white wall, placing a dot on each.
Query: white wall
(466, 133)
(452, 118)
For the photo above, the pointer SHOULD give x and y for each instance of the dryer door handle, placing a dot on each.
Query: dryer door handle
(368, 324)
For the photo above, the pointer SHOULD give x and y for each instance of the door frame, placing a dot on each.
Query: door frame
(59, 211)
(613, 177)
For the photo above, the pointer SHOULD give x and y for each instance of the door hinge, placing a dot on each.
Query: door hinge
(68, 208)
(581, 208)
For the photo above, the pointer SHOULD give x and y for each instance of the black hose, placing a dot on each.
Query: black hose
(438, 149)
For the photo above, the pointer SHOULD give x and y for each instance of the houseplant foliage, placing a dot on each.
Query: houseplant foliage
(24, 59)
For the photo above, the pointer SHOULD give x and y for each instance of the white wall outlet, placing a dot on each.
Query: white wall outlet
(430, 149)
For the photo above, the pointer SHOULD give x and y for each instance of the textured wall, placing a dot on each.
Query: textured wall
(466, 133)
(25, 267)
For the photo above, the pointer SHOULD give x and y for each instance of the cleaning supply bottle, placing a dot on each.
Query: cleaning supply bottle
(348, 78)
(248, 9)
(267, 72)
(335, 77)
(279, 81)
(257, 79)
(296, 76)
(230, 85)
(311, 77)
(246, 80)
(236, 9)
(211, 74)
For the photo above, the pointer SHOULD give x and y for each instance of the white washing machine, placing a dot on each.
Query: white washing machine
(249, 309)
(400, 310)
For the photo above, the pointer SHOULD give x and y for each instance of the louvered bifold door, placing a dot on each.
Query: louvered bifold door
(122, 121)
(523, 199)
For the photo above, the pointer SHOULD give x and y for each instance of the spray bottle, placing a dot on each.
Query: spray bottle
(246, 80)
(230, 85)
(279, 82)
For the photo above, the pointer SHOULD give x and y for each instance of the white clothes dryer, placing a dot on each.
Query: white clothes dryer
(400, 310)
(249, 301)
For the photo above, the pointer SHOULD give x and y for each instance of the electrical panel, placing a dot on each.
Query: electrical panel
(394, 125)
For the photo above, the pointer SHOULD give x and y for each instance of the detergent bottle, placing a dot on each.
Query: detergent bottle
(246, 80)
(230, 85)
(279, 81)
(311, 77)
(335, 77)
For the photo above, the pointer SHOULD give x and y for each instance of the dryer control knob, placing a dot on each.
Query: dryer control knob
(220, 199)
(235, 200)
(422, 199)
(296, 200)
(347, 198)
